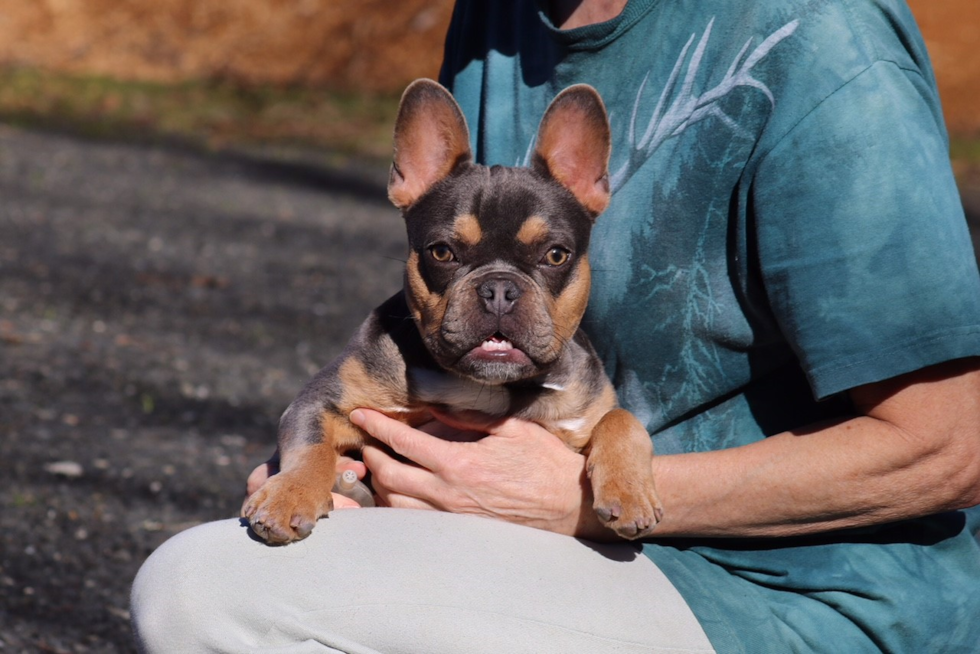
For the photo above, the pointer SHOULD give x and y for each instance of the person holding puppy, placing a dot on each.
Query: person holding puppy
(783, 293)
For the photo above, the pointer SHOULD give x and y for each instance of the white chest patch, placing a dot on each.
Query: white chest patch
(572, 425)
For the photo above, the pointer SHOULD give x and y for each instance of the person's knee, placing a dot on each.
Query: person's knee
(173, 594)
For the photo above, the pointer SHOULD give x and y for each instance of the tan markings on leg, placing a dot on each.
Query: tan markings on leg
(386, 391)
(533, 231)
(427, 308)
(569, 307)
(466, 229)
(288, 504)
(601, 407)
(344, 435)
(619, 467)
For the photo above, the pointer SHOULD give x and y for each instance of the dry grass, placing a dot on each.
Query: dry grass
(224, 113)
(965, 153)
(208, 114)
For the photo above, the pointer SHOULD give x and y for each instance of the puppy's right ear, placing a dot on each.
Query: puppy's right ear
(431, 140)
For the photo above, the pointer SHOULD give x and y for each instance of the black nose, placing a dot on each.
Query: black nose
(499, 295)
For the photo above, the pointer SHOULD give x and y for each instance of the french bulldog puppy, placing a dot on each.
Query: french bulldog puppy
(487, 325)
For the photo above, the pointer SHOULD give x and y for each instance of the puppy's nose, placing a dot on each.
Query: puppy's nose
(499, 295)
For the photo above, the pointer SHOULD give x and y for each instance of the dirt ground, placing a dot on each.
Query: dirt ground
(158, 310)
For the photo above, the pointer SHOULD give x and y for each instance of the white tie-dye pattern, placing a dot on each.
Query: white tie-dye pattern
(687, 98)
(685, 108)
(677, 110)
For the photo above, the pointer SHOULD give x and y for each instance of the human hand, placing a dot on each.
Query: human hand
(262, 473)
(517, 472)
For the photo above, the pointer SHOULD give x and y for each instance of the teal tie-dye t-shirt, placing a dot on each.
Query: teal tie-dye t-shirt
(784, 227)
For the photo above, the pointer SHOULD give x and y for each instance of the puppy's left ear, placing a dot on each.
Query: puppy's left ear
(573, 146)
(431, 140)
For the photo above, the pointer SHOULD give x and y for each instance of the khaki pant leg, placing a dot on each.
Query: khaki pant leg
(395, 580)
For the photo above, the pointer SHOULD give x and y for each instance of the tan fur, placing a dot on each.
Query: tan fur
(596, 411)
(567, 309)
(339, 431)
(577, 402)
(427, 308)
(533, 231)
(619, 469)
(288, 504)
(466, 229)
(361, 388)
(387, 394)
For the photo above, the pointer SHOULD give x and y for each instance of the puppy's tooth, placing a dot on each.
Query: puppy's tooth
(494, 345)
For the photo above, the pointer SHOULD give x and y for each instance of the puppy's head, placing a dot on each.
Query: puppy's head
(497, 275)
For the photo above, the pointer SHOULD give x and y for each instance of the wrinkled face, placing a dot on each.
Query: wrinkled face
(497, 276)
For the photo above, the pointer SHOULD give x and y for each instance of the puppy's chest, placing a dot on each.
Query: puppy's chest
(548, 405)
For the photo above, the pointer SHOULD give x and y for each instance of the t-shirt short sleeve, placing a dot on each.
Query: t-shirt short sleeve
(862, 244)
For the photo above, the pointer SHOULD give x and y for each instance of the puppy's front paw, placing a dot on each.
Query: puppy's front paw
(627, 504)
(286, 508)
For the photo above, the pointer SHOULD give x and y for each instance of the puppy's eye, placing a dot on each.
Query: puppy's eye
(441, 253)
(557, 256)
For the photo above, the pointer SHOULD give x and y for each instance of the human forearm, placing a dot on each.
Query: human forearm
(857, 473)
(854, 473)
(915, 452)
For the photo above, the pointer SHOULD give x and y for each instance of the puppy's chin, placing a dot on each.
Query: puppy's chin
(496, 362)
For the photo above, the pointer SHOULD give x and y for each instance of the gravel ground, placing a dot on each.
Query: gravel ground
(159, 307)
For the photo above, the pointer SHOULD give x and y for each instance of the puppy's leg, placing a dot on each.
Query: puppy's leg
(618, 465)
(288, 504)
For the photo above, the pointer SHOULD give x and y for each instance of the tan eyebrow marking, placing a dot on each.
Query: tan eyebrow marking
(467, 229)
(534, 230)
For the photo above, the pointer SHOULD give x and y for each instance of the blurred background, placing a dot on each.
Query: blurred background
(320, 72)
(192, 221)
(87, 61)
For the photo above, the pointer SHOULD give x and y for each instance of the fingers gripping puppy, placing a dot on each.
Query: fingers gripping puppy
(487, 325)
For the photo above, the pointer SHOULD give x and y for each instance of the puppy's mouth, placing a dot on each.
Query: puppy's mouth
(497, 343)
(498, 349)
